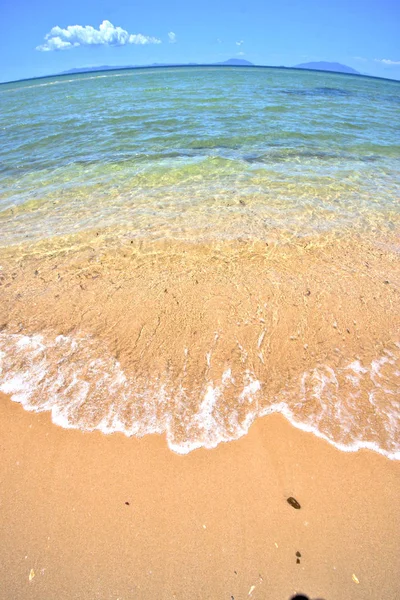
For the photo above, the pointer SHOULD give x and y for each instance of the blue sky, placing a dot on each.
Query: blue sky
(363, 35)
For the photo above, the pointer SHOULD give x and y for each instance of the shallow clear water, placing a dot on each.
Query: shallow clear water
(237, 252)
(209, 152)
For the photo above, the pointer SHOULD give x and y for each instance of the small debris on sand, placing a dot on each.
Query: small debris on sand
(293, 502)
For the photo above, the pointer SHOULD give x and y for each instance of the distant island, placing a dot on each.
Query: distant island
(237, 62)
(233, 62)
(333, 67)
(327, 66)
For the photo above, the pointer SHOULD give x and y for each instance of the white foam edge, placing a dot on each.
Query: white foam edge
(281, 408)
(184, 448)
(111, 424)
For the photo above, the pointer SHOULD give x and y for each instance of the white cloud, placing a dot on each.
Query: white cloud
(240, 53)
(219, 41)
(387, 61)
(239, 43)
(107, 34)
(172, 37)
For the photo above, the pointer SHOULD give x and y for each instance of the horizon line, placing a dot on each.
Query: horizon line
(192, 65)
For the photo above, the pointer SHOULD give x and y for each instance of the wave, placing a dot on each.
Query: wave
(85, 387)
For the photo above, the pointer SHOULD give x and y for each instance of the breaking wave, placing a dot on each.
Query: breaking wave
(86, 388)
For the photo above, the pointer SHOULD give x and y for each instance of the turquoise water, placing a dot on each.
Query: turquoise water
(198, 152)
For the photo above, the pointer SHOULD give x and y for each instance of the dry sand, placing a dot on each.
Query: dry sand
(214, 524)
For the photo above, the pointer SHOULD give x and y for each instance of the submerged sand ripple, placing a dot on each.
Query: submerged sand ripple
(197, 340)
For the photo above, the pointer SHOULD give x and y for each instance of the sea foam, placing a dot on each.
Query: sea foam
(85, 387)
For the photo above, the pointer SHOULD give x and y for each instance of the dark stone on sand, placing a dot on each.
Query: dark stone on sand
(127, 503)
(293, 502)
(386, 281)
(297, 561)
(298, 554)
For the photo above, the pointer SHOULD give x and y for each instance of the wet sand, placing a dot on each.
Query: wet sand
(89, 516)
(199, 339)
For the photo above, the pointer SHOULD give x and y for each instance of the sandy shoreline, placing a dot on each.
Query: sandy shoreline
(211, 524)
(198, 339)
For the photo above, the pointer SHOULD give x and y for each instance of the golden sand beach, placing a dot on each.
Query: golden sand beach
(87, 516)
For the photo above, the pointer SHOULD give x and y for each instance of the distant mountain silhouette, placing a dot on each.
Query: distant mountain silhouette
(236, 62)
(233, 62)
(327, 66)
(90, 69)
(165, 65)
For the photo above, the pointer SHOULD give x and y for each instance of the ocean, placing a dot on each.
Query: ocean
(184, 250)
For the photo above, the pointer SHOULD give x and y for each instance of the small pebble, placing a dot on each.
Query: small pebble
(127, 503)
(293, 502)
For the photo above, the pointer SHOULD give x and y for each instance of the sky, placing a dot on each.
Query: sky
(42, 37)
